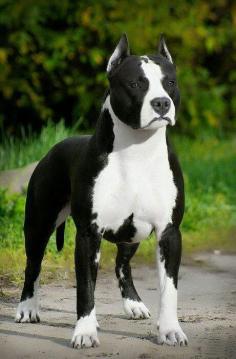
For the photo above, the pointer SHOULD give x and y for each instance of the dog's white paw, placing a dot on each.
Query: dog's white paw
(135, 309)
(85, 333)
(28, 311)
(171, 335)
(85, 341)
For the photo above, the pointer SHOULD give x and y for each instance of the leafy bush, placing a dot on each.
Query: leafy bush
(53, 57)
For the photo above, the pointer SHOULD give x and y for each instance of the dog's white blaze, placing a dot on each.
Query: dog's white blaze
(140, 181)
(85, 332)
(28, 306)
(62, 215)
(135, 309)
(154, 75)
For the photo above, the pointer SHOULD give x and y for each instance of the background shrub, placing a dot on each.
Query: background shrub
(53, 57)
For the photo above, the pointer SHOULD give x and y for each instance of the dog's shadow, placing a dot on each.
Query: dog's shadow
(9, 319)
(66, 342)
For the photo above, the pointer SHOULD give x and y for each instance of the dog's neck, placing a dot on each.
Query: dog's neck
(138, 140)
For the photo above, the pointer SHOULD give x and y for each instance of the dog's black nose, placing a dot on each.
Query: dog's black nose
(161, 105)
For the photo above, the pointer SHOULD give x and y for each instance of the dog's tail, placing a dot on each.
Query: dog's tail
(60, 236)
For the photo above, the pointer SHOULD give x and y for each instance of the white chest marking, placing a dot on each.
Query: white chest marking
(137, 180)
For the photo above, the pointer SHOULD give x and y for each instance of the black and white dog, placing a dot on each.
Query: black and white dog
(122, 183)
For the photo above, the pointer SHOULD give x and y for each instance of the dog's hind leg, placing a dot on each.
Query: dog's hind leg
(28, 308)
(38, 227)
(133, 305)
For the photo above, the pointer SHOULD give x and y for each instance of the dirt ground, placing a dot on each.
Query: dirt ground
(207, 302)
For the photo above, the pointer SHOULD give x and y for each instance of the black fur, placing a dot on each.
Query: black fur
(178, 211)
(170, 249)
(124, 254)
(128, 87)
(125, 232)
(60, 236)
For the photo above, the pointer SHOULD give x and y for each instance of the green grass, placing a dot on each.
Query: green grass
(209, 167)
(16, 153)
(210, 175)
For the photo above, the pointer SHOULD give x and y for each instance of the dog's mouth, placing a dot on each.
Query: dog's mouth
(155, 119)
(160, 119)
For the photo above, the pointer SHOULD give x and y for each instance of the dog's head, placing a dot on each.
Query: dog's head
(143, 89)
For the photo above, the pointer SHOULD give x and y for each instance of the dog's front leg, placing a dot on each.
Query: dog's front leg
(168, 259)
(86, 264)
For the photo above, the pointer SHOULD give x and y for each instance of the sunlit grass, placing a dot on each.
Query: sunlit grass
(16, 153)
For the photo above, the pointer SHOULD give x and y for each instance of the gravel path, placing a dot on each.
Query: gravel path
(207, 302)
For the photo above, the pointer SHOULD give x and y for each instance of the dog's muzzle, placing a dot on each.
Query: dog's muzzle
(161, 105)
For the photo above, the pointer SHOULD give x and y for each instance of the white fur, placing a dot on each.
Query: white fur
(28, 310)
(97, 258)
(135, 309)
(170, 331)
(167, 53)
(154, 75)
(85, 333)
(140, 181)
(113, 57)
(121, 274)
(62, 215)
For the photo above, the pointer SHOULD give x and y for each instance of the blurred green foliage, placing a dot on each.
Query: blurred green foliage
(53, 56)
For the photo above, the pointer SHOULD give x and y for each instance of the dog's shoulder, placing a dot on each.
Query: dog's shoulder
(178, 178)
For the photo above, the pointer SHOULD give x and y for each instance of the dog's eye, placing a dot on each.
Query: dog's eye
(171, 82)
(133, 84)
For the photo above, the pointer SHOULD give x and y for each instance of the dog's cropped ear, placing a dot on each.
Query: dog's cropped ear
(120, 53)
(163, 50)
